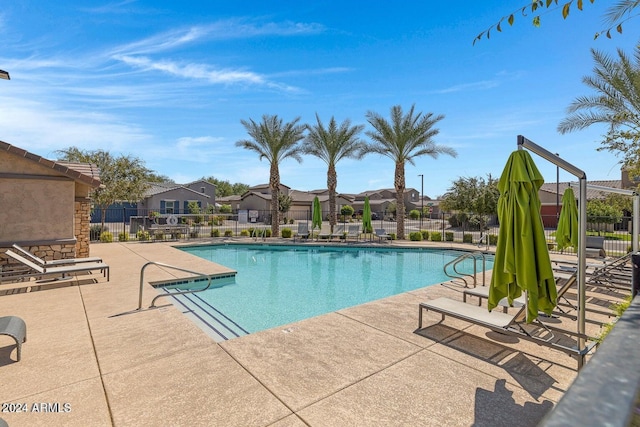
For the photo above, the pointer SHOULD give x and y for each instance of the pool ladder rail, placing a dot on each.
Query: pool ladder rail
(187, 291)
(259, 232)
(455, 274)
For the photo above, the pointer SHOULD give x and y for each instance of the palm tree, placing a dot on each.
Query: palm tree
(331, 145)
(615, 103)
(274, 141)
(403, 139)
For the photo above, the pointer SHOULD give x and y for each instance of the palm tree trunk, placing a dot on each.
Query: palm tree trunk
(400, 184)
(332, 183)
(274, 183)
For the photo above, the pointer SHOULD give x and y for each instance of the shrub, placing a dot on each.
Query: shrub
(346, 211)
(425, 234)
(225, 209)
(228, 233)
(415, 236)
(448, 236)
(267, 232)
(436, 236)
(123, 237)
(96, 230)
(414, 214)
(142, 235)
(467, 238)
(216, 220)
(244, 233)
(286, 233)
(493, 239)
(215, 232)
(106, 237)
(393, 236)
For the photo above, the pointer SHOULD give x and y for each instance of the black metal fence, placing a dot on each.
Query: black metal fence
(121, 225)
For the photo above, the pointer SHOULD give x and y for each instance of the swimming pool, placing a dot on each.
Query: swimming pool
(277, 284)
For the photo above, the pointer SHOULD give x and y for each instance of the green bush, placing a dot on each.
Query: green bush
(493, 239)
(142, 235)
(393, 236)
(467, 238)
(415, 236)
(448, 236)
(106, 237)
(245, 233)
(225, 209)
(228, 233)
(215, 232)
(216, 220)
(286, 233)
(425, 234)
(96, 230)
(123, 237)
(267, 232)
(414, 214)
(436, 236)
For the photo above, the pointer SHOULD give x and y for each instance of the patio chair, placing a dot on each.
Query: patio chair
(303, 231)
(381, 234)
(14, 327)
(515, 325)
(353, 231)
(62, 270)
(54, 262)
(338, 232)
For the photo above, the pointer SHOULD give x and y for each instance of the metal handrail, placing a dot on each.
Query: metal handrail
(188, 291)
(462, 276)
(257, 232)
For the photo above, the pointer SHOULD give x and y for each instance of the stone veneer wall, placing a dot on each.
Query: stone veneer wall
(82, 227)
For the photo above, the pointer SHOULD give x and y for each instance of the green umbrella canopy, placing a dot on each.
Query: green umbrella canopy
(316, 218)
(567, 232)
(522, 259)
(366, 216)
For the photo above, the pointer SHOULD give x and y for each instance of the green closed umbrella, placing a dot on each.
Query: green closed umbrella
(366, 216)
(522, 260)
(316, 216)
(567, 232)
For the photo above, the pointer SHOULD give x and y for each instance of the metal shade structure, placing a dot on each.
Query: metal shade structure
(4, 75)
(582, 232)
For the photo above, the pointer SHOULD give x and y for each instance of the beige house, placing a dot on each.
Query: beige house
(45, 204)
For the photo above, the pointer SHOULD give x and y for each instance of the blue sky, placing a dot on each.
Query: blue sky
(169, 82)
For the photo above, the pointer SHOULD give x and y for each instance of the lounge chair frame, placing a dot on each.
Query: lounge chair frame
(63, 270)
(55, 262)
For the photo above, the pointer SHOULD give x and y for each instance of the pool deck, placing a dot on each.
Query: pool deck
(89, 348)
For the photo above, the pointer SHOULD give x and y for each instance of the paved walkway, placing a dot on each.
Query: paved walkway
(92, 360)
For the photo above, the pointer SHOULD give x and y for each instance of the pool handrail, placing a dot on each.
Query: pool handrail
(461, 258)
(187, 291)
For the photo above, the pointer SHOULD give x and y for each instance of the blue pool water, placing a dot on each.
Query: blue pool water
(276, 285)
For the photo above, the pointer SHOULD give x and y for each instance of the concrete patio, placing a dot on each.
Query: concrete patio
(104, 363)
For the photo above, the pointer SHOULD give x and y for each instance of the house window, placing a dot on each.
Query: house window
(202, 190)
(169, 206)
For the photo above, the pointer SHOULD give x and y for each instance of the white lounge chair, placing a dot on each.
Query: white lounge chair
(338, 232)
(54, 262)
(381, 234)
(303, 231)
(537, 332)
(353, 231)
(62, 270)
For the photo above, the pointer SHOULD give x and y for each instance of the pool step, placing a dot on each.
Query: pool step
(211, 320)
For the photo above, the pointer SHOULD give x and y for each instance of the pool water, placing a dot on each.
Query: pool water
(277, 285)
